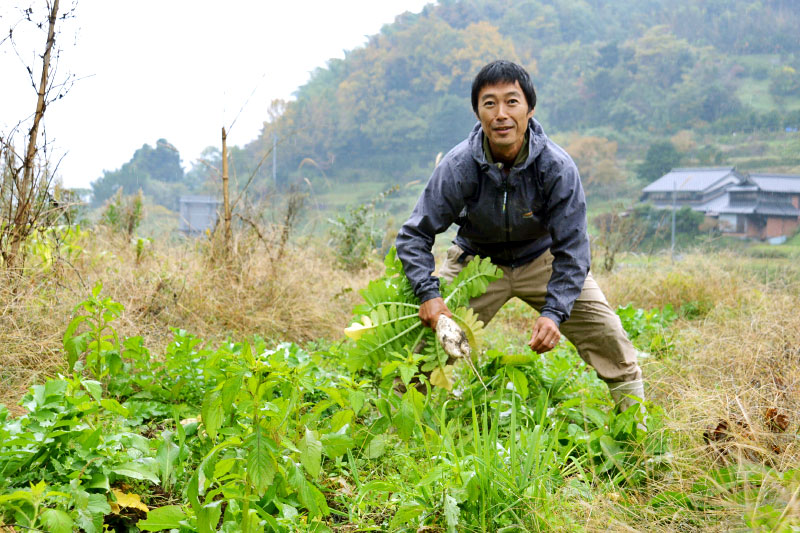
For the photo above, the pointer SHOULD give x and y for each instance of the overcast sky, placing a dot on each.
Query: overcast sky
(177, 69)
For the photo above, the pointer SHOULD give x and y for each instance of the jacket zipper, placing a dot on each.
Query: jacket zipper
(505, 209)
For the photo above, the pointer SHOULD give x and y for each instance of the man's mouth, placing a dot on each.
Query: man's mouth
(502, 129)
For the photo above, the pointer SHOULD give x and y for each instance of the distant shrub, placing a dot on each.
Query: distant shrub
(123, 214)
(784, 81)
(356, 233)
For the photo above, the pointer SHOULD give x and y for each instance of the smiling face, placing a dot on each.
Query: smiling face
(503, 112)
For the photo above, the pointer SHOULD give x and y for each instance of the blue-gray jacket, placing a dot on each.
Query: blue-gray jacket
(511, 219)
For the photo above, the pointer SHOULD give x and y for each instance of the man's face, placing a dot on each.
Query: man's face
(503, 112)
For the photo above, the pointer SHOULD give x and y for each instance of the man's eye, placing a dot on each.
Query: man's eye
(513, 101)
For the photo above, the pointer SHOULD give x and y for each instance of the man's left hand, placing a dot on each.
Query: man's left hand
(545, 335)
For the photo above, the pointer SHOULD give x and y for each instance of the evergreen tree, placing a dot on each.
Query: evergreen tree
(661, 157)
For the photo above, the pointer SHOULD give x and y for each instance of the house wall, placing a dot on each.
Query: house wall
(779, 226)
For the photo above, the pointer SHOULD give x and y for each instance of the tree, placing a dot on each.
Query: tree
(156, 171)
(26, 176)
(596, 158)
(661, 158)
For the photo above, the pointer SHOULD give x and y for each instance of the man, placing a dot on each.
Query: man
(517, 199)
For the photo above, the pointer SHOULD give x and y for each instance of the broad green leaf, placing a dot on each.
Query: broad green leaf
(168, 517)
(211, 413)
(112, 405)
(357, 399)
(404, 419)
(223, 466)
(383, 408)
(113, 362)
(135, 471)
(376, 447)
(260, 463)
(311, 453)
(98, 504)
(443, 377)
(597, 417)
(89, 522)
(98, 481)
(208, 517)
(519, 359)
(307, 493)
(336, 445)
(166, 455)
(94, 388)
(230, 390)
(405, 514)
(416, 399)
(671, 499)
(389, 368)
(22, 495)
(335, 395)
(612, 450)
(520, 382)
(341, 419)
(74, 345)
(54, 390)
(407, 372)
(57, 521)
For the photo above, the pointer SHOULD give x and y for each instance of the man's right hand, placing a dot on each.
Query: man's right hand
(430, 311)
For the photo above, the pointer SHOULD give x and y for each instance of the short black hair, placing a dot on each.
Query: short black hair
(502, 71)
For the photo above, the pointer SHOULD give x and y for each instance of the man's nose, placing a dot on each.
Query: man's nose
(502, 111)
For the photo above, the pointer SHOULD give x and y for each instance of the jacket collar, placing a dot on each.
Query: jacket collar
(536, 143)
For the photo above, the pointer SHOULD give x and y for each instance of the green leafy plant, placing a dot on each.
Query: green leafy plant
(123, 214)
(356, 234)
(99, 344)
(266, 439)
(388, 322)
(53, 243)
(649, 330)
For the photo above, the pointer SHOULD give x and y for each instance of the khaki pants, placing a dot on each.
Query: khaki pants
(593, 327)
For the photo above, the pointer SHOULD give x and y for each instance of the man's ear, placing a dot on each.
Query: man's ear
(530, 113)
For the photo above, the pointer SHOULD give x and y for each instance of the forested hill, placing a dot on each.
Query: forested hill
(607, 66)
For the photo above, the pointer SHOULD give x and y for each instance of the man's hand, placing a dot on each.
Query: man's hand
(430, 310)
(545, 335)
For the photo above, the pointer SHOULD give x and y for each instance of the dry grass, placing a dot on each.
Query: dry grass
(730, 393)
(297, 297)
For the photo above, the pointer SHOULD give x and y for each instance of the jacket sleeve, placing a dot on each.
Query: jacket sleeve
(437, 208)
(566, 223)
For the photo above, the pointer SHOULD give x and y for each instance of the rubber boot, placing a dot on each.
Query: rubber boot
(627, 394)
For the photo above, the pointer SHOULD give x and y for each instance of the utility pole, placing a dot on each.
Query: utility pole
(672, 247)
(275, 160)
(225, 195)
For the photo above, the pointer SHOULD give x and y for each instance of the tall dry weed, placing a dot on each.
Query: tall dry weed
(298, 296)
(731, 391)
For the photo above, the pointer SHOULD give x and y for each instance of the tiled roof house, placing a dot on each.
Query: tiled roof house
(762, 206)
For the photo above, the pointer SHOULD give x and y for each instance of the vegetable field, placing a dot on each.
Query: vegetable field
(256, 434)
